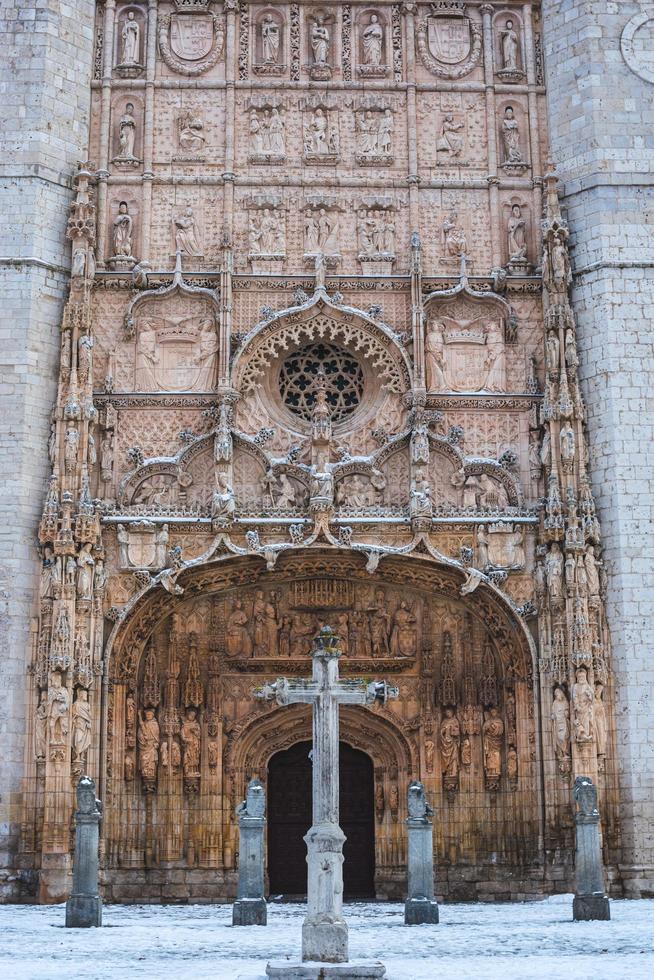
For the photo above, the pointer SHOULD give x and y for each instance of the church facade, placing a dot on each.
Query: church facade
(319, 363)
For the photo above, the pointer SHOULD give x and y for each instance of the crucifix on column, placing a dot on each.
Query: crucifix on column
(324, 931)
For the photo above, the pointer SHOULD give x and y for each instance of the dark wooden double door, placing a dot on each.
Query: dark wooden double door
(289, 818)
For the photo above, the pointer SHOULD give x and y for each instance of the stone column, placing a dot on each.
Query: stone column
(420, 905)
(84, 907)
(249, 909)
(590, 901)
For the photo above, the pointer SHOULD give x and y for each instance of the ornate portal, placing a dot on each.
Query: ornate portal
(322, 369)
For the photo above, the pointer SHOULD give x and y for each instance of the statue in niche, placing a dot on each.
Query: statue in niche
(50, 575)
(583, 701)
(482, 548)
(379, 625)
(404, 635)
(510, 48)
(554, 571)
(450, 740)
(85, 566)
(237, 637)
(512, 763)
(205, 356)
(429, 755)
(191, 734)
(127, 134)
(319, 42)
(302, 630)
(81, 732)
(147, 358)
(41, 726)
(560, 717)
(372, 40)
(571, 357)
(285, 637)
(161, 537)
(259, 628)
(466, 752)
(58, 704)
(343, 632)
(360, 642)
(368, 128)
(271, 625)
(599, 715)
(511, 137)
(516, 230)
(286, 493)
(451, 140)
(269, 40)
(434, 358)
(122, 233)
(191, 138)
(223, 502)
(592, 572)
(71, 445)
(454, 237)
(131, 38)
(122, 537)
(256, 133)
(148, 740)
(552, 349)
(567, 444)
(492, 732)
(495, 361)
(186, 236)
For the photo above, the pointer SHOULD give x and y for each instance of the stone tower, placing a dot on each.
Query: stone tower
(46, 53)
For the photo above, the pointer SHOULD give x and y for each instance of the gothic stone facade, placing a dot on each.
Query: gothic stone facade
(318, 364)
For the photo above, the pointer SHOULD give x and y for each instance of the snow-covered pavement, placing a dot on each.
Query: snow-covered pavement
(471, 942)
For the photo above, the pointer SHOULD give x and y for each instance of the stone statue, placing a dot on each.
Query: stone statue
(41, 726)
(429, 755)
(379, 625)
(148, 740)
(403, 635)
(450, 741)
(161, 538)
(319, 42)
(123, 231)
(554, 571)
(385, 133)
(50, 575)
(277, 142)
(512, 763)
(510, 48)
(269, 40)
(434, 357)
(583, 701)
(127, 134)
(592, 573)
(511, 137)
(191, 734)
(122, 536)
(81, 735)
(492, 732)
(517, 235)
(131, 37)
(454, 238)
(599, 716)
(482, 547)
(417, 806)
(371, 41)
(186, 238)
(560, 717)
(466, 752)
(316, 134)
(567, 443)
(302, 630)
(237, 637)
(71, 444)
(85, 566)
(223, 501)
(191, 138)
(451, 140)
(107, 457)
(58, 705)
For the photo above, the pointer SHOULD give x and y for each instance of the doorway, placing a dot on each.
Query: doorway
(289, 818)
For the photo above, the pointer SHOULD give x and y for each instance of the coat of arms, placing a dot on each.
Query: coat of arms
(449, 43)
(191, 43)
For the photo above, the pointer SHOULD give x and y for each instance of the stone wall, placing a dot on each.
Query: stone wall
(46, 53)
(601, 115)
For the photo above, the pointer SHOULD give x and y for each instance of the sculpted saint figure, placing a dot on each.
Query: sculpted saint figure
(81, 724)
(71, 443)
(123, 231)
(450, 141)
(429, 755)
(301, 634)
(434, 357)
(516, 232)
(277, 143)
(148, 739)
(599, 715)
(186, 233)
(147, 358)
(510, 48)
(372, 39)
(319, 42)
(317, 132)
(58, 704)
(582, 701)
(511, 137)
(385, 132)
(85, 566)
(554, 571)
(379, 625)
(131, 35)
(205, 357)
(450, 740)
(190, 134)
(454, 238)
(592, 574)
(269, 40)
(403, 635)
(560, 717)
(223, 502)
(259, 624)
(50, 575)
(190, 734)
(127, 133)
(285, 637)
(368, 132)
(492, 732)
(286, 491)
(41, 726)
(238, 640)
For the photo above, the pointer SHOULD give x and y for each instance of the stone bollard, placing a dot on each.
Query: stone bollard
(420, 905)
(590, 901)
(84, 907)
(250, 908)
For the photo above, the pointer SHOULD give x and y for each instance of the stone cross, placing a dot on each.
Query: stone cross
(590, 901)
(250, 909)
(84, 907)
(420, 905)
(324, 931)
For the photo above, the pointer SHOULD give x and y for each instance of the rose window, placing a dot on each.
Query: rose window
(343, 377)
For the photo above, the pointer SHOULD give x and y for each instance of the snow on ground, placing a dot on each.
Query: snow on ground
(471, 942)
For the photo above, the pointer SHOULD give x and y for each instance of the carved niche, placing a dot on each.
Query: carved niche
(449, 43)
(320, 34)
(374, 131)
(191, 39)
(266, 233)
(508, 47)
(320, 131)
(129, 42)
(372, 48)
(269, 43)
(512, 135)
(267, 128)
(517, 235)
(376, 236)
(127, 132)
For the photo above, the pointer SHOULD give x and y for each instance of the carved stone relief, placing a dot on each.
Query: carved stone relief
(269, 41)
(320, 134)
(320, 28)
(374, 137)
(509, 51)
(372, 57)
(191, 42)
(449, 43)
(267, 126)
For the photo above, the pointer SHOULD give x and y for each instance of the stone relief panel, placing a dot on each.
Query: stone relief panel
(267, 130)
(452, 134)
(184, 223)
(191, 42)
(189, 128)
(449, 43)
(460, 224)
(266, 232)
(320, 125)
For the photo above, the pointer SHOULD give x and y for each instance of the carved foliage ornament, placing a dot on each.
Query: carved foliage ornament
(449, 44)
(191, 44)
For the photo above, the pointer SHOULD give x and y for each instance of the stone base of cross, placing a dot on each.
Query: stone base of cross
(324, 932)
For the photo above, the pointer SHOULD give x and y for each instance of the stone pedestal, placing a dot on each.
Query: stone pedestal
(355, 970)
(420, 906)
(250, 907)
(84, 907)
(324, 931)
(590, 901)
